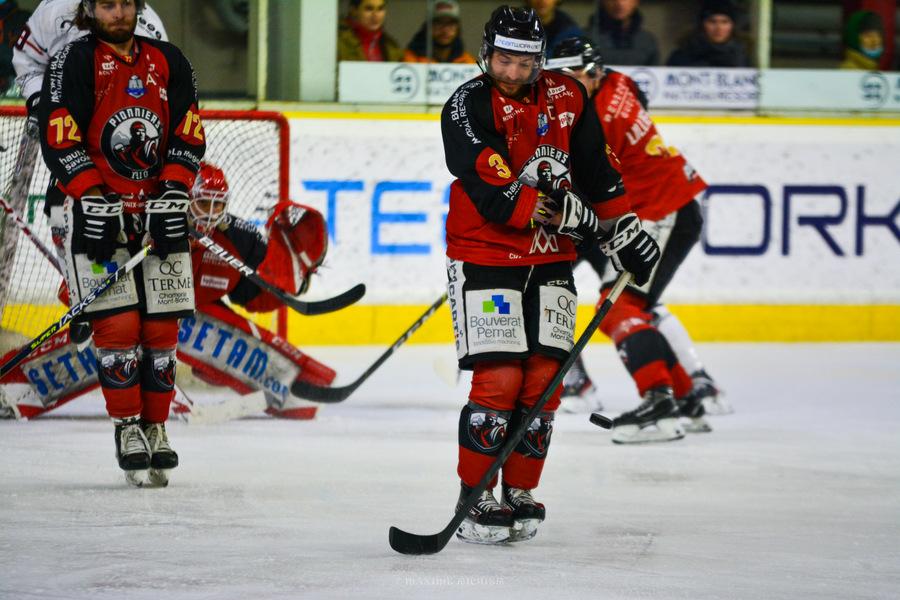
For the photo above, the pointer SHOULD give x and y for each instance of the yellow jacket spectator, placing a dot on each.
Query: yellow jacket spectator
(864, 41)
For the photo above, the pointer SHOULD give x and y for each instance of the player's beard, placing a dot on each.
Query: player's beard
(117, 35)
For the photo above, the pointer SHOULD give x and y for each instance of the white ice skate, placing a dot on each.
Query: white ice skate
(527, 513)
(714, 401)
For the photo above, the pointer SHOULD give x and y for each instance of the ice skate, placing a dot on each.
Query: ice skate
(487, 521)
(579, 394)
(692, 413)
(132, 450)
(709, 393)
(527, 513)
(162, 458)
(655, 420)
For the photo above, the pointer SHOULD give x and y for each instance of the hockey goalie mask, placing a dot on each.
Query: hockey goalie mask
(303, 229)
(209, 197)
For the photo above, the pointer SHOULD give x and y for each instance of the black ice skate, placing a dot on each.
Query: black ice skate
(692, 410)
(162, 457)
(709, 393)
(579, 394)
(487, 521)
(655, 420)
(132, 450)
(527, 513)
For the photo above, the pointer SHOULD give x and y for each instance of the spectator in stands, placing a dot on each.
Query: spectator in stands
(863, 41)
(616, 30)
(713, 43)
(446, 42)
(361, 35)
(12, 20)
(558, 25)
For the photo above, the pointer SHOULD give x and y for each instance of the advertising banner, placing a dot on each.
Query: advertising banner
(798, 212)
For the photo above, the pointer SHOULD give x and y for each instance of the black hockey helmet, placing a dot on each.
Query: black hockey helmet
(88, 7)
(514, 31)
(576, 54)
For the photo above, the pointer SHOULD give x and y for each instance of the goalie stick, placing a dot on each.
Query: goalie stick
(74, 311)
(316, 307)
(411, 543)
(30, 235)
(316, 393)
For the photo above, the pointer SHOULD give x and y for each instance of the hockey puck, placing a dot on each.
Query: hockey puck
(601, 421)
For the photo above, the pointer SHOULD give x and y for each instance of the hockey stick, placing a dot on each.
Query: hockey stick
(74, 311)
(411, 543)
(30, 234)
(316, 307)
(308, 391)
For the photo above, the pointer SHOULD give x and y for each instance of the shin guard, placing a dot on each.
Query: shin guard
(120, 381)
(482, 432)
(524, 466)
(157, 384)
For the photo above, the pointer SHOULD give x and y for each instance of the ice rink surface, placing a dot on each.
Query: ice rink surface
(796, 495)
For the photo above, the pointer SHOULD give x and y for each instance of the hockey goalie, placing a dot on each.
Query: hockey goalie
(223, 348)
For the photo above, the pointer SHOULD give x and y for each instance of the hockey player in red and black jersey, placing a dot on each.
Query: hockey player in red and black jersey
(533, 181)
(98, 92)
(222, 347)
(663, 188)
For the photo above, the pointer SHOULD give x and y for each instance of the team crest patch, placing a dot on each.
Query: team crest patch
(543, 124)
(130, 140)
(136, 87)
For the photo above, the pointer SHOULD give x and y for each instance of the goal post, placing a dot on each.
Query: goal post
(251, 147)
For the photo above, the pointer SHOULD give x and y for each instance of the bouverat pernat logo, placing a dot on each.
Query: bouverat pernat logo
(496, 304)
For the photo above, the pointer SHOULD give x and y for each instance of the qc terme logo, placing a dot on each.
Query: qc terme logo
(495, 305)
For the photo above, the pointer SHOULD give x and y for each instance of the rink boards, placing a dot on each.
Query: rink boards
(801, 241)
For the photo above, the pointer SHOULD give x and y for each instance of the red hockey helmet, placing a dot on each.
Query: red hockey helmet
(209, 197)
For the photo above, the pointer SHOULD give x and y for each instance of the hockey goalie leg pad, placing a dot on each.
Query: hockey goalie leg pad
(158, 338)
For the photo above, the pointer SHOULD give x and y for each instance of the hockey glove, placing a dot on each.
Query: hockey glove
(631, 248)
(577, 218)
(97, 221)
(167, 218)
(31, 123)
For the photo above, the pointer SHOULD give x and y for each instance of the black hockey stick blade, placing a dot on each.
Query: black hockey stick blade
(309, 391)
(411, 543)
(320, 307)
(601, 421)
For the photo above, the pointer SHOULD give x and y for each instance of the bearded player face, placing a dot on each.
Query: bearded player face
(115, 20)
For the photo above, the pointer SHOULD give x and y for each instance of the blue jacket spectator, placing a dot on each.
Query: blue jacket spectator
(557, 24)
(616, 31)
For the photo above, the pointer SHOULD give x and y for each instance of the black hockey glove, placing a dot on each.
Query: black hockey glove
(97, 221)
(578, 219)
(631, 248)
(167, 218)
(31, 123)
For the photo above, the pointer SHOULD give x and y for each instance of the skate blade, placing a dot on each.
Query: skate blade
(473, 533)
(696, 425)
(157, 478)
(524, 529)
(665, 430)
(136, 478)
(717, 406)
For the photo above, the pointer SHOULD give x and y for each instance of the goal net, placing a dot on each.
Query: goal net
(250, 146)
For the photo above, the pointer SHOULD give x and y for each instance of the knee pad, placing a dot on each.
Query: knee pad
(483, 430)
(496, 385)
(158, 370)
(537, 435)
(118, 367)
